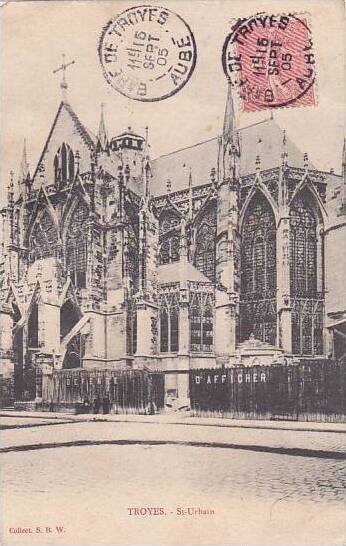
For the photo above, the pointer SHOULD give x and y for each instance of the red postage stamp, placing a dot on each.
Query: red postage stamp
(270, 59)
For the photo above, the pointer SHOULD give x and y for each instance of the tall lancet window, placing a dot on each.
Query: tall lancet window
(169, 323)
(76, 246)
(201, 323)
(258, 272)
(64, 168)
(305, 272)
(169, 237)
(204, 258)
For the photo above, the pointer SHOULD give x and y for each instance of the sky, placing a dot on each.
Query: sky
(35, 34)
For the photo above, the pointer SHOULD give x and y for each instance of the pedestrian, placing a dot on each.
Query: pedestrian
(86, 405)
(96, 404)
(105, 404)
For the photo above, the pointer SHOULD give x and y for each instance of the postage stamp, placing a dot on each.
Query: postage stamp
(147, 53)
(270, 59)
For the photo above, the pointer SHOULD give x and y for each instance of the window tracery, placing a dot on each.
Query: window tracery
(64, 167)
(77, 246)
(169, 238)
(169, 322)
(43, 240)
(303, 248)
(201, 323)
(307, 302)
(258, 272)
(204, 259)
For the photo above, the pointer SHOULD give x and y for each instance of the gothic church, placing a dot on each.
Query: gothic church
(227, 252)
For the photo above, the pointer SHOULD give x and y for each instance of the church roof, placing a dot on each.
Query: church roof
(87, 136)
(263, 139)
(180, 271)
(129, 133)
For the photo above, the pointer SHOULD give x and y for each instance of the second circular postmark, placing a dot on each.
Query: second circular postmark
(147, 53)
(270, 60)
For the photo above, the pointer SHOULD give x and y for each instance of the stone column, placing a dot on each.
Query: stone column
(183, 360)
(105, 338)
(147, 332)
(319, 253)
(284, 307)
(224, 328)
(49, 327)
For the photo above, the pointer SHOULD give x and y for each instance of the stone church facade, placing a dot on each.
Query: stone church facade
(227, 252)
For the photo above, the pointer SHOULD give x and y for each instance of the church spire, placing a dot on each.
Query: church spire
(229, 119)
(146, 164)
(24, 165)
(190, 195)
(230, 142)
(10, 206)
(146, 143)
(284, 154)
(102, 135)
(283, 196)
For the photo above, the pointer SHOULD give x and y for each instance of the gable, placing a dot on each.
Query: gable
(66, 128)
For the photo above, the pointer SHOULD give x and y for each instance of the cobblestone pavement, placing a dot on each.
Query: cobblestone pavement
(37, 432)
(101, 469)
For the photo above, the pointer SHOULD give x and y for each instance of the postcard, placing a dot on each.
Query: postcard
(172, 273)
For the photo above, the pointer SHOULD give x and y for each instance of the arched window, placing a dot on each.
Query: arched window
(258, 272)
(169, 237)
(169, 323)
(64, 165)
(201, 323)
(43, 239)
(206, 244)
(307, 302)
(303, 247)
(76, 246)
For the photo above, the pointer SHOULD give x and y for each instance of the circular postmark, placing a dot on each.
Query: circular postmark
(270, 59)
(147, 53)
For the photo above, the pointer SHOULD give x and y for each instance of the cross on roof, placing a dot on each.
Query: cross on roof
(63, 67)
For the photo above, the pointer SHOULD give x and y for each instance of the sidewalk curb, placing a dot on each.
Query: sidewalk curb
(296, 452)
(158, 420)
